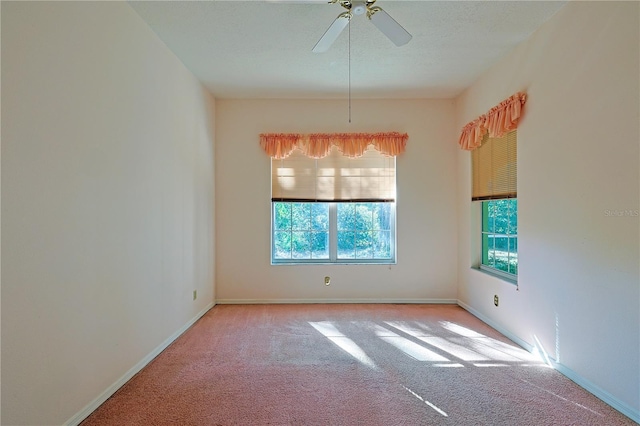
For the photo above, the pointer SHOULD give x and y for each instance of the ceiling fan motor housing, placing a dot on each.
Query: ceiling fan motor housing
(358, 8)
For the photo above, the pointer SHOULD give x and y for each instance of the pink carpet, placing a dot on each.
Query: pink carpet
(349, 365)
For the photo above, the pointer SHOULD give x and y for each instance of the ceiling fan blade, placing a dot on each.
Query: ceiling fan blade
(389, 27)
(332, 33)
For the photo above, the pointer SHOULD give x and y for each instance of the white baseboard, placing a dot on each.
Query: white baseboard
(597, 391)
(293, 301)
(93, 405)
(621, 406)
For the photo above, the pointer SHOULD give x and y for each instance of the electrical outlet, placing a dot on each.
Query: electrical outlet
(495, 300)
(327, 280)
(195, 294)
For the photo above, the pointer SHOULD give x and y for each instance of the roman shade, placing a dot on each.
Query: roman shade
(334, 177)
(494, 168)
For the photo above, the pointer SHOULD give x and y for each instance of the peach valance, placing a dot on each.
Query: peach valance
(497, 121)
(318, 145)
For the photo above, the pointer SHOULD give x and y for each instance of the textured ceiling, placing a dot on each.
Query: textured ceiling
(262, 49)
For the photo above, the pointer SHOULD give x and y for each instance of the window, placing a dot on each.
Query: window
(335, 209)
(494, 173)
(500, 236)
(328, 232)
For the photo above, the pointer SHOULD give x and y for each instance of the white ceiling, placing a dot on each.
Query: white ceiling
(262, 49)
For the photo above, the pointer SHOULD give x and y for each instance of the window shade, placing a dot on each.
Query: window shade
(335, 177)
(495, 168)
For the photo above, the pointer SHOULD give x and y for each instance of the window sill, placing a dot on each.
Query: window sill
(510, 280)
(332, 263)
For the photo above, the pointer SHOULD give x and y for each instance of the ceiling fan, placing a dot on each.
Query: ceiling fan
(381, 19)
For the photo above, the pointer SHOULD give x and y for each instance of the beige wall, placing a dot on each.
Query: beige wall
(578, 165)
(426, 209)
(107, 202)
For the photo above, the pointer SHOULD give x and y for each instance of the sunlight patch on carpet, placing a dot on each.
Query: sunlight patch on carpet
(441, 343)
(514, 351)
(343, 342)
(426, 402)
(485, 347)
(410, 348)
(460, 330)
(491, 365)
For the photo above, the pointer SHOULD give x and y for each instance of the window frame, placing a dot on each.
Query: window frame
(333, 239)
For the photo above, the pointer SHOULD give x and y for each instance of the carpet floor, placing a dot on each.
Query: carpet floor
(347, 364)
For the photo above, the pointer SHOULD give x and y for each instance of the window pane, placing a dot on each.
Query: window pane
(282, 216)
(301, 245)
(501, 244)
(346, 245)
(346, 216)
(501, 216)
(282, 245)
(501, 253)
(382, 216)
(364, 246)
(301, 216)
(320, 216)
(491, 257)
(491, 216)
(320, 245)
(382, 244)
(513, 217)
(364, 216)
(513, 255)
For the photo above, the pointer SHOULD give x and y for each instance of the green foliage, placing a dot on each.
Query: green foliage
(301, 230)
(500, 216)
(364, 230)
(500, 235)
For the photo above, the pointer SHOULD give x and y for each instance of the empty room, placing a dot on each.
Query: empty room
(301, 212)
